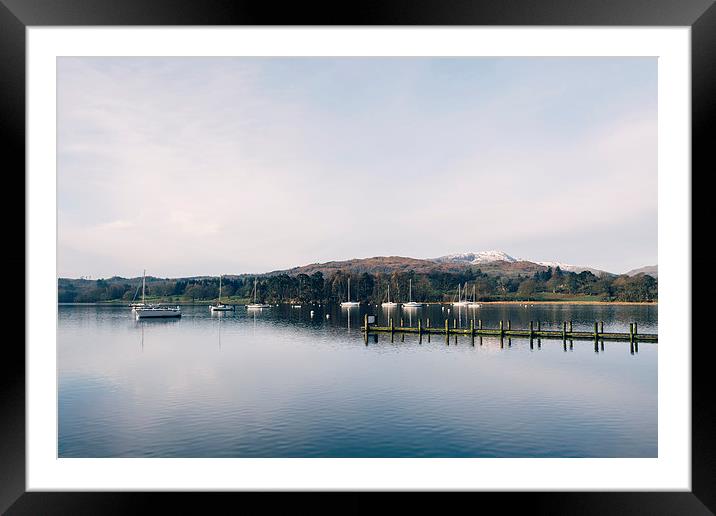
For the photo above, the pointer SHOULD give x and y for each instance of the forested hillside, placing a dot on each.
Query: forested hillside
(432, 286)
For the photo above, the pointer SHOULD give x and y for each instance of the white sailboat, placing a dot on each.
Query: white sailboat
(145, 311)
(411, 303)
(256, 305)
(474, 303)
(219, 306)
(349, 303)
(389, 303)
(460, 301)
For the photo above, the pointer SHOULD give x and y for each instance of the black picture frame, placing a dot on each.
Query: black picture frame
(17, 15)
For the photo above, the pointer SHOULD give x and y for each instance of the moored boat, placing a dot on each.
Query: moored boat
(474, 303)
(411, 303)
(157, 311)
(389, 303)
(349, 303)
(219, 306)
(256, 305)
(143, 310)
(460, 301)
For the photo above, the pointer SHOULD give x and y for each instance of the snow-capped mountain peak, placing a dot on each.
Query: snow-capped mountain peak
(478, 257)
(563, 266)
(500, 256)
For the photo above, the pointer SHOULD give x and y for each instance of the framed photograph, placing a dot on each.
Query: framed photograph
(417, 248)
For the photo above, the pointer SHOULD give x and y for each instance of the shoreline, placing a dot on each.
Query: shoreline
(550, 302)
(579, 302)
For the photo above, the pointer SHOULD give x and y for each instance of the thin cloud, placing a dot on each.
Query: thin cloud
(189, 166)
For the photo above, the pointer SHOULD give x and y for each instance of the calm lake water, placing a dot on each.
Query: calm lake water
(279, 383)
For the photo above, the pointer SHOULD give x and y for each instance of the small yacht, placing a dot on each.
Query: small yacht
(474, 303)
(389, 303)
(256, 305)
(219, 306)
(460, 301)
(349, 303)
(144, 311)
(157, 311)
(411, 303)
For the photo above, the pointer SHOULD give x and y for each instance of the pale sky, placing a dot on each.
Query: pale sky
(204, 166)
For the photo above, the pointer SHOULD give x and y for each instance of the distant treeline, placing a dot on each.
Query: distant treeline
(367, 287)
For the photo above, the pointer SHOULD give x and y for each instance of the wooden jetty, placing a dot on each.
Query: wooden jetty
(533, 332)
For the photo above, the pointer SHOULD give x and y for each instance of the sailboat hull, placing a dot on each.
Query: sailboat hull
(222, 308)
(146, 313)
(349, 304)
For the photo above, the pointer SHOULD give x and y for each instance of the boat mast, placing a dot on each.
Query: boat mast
(349, 289)
(219, 302)
(256, 281)
(144, 275)
(410, 291)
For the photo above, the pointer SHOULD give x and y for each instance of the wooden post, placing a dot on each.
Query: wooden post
(631, 332)
(401, 322)
(502, 332)
(454, 323)
(635, 332)
(570, 326)
(531, 330)
(365, 319)
(420, 329)
(427, 323)
(596, 333)
(601, 326)
(509, 325)
(472, 327)
(447, 327)
(479, 323)
(539, 325)
(391, 325)
(564, 331)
